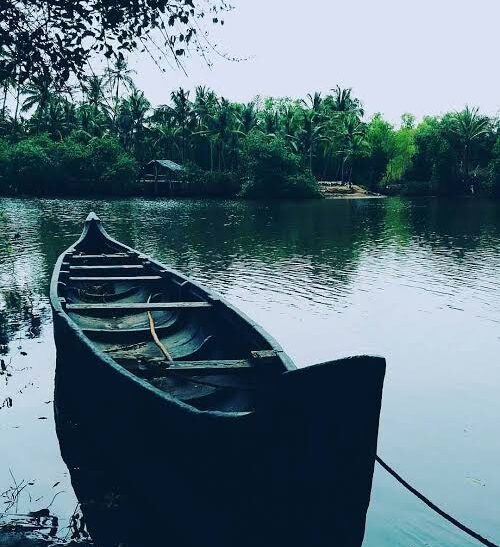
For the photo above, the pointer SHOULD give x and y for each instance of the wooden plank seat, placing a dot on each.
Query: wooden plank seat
(155, 366)
(94, 279)
(137, 306)
(107, 267)
(103, 255)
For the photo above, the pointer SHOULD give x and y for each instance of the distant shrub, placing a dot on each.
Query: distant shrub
(108, 168)
(29, 168)
(197, 182)
(4, 162)
(492, 183)
(271, 170)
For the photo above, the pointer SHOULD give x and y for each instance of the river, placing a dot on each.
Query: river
(417, 281)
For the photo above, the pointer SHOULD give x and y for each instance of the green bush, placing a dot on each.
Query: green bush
(197, 182)
(492, 184)
(108, 168)
(4, 162)
(29, 168)
(271, 170)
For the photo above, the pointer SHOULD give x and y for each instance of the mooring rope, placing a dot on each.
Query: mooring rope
(434, 507)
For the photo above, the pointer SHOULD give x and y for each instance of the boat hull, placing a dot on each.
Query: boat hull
(151, 469)
(298, 472)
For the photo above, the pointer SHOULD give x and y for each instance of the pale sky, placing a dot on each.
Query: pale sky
(424, 57)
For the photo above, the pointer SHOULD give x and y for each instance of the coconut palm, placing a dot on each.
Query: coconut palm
(182, 117)
(138, 107)
(37, 95)
(93, 89)
(354, 144)
(469, 126)
(247, 117)
(314, 101)
(309, 135)
(119, 75)
(222, 131)
(205, 104)
(343, 101)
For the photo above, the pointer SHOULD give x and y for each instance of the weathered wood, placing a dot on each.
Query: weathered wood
(108, 267)
(117, 278)
(137, 306)
(154, 364)
(103, 255)
(264, 354)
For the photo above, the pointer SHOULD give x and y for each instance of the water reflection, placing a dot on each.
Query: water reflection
(107, 509)
(414, 280)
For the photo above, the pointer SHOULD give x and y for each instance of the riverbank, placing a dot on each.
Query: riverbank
(337, 189)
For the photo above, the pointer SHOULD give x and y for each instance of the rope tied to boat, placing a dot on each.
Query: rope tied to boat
(434, 507)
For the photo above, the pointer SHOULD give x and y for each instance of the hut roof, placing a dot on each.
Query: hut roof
(167, 164)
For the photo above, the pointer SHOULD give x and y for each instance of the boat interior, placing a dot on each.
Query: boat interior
(163, 328)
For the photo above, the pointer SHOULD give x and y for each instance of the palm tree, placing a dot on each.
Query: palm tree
(352, 135)
(203, 109)
(138, 107)
(221, 130)
(204, 106)
(470, 125)
(310, 134)
(247, 117)
(315, 101)
(343, 101)
(117, 75)
(54, 118)
(288, 123)
(182, 116)
(270, 122)
(38, 94)
(93, 88)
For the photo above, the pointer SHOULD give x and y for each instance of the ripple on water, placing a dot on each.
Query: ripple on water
(402, 278)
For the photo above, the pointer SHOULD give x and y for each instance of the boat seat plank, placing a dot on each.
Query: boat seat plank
(156, 365)
(117, 278)
(108, 267)
(137, 306)
(103, 255)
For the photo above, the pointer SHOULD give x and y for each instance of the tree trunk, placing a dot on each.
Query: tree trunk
(466, 166)
(4, 106)
(18, 98)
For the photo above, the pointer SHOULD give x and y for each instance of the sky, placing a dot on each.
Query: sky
(423, 57)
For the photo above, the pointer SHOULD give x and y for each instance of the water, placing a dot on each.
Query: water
(414, 280)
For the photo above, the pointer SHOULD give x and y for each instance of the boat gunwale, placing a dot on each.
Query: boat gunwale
(93, 220)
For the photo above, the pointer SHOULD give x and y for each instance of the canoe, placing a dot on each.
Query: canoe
(218, 437)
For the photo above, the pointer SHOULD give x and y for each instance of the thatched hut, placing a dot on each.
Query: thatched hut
(162, 175)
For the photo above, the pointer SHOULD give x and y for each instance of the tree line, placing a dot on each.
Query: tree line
(95, 139)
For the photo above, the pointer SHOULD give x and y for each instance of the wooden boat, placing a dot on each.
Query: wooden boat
(221, 439)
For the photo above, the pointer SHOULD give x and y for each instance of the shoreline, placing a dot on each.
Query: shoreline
(338, 190)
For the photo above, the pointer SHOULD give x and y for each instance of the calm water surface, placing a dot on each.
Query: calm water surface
(417, 281)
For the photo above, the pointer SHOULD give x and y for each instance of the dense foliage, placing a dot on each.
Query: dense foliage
(59, 38)
(96, 141)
